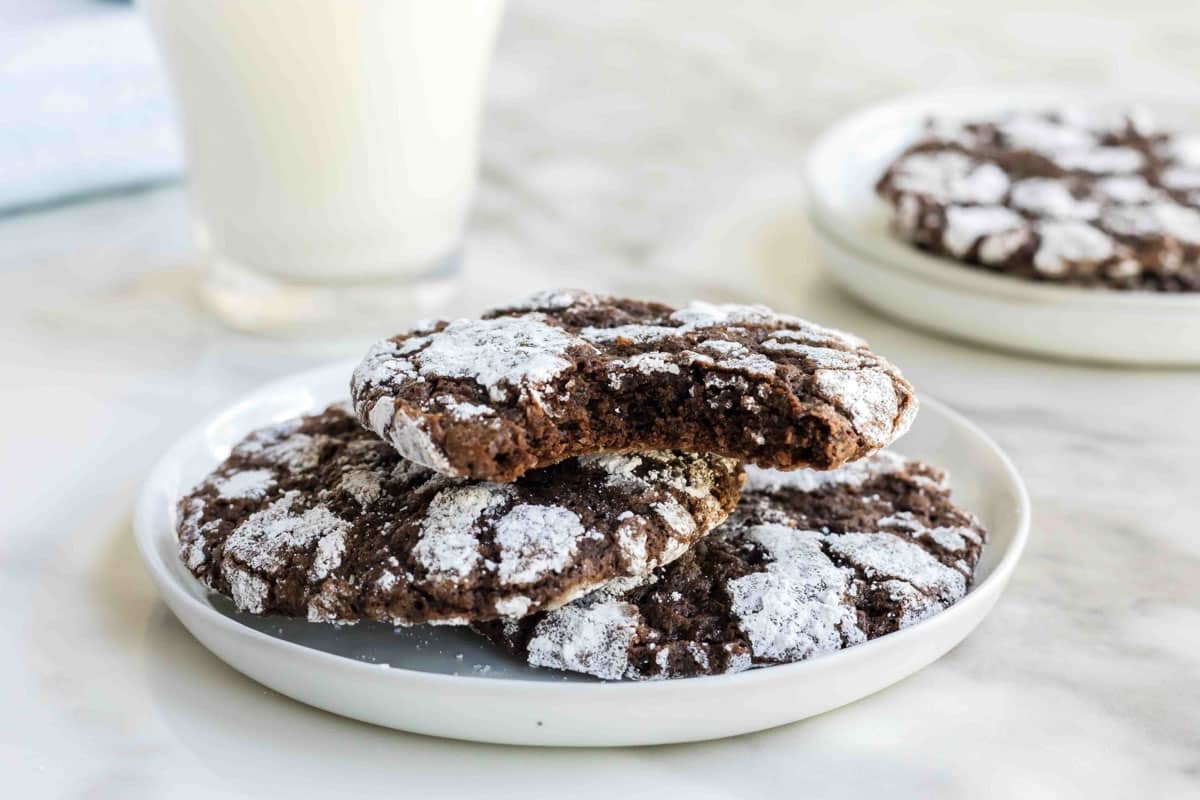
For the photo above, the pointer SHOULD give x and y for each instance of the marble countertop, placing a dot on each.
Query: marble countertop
(650, 148)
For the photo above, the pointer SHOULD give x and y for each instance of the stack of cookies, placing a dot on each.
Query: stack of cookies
(601, 485)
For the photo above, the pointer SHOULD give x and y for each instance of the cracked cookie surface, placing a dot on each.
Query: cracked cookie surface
(571, 372)
(1058, 196)
(319, 518)
(809, 563)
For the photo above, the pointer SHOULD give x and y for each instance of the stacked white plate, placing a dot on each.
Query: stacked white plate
(851, 228)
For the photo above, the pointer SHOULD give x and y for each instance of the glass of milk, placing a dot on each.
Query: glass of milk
(333, 149)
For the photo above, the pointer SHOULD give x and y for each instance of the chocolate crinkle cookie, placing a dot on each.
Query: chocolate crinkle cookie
(317, 517)
(809, 563)
(571, 372)
(1075, 198)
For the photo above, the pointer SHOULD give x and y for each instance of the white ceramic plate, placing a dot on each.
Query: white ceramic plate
(851, 223)
(448, 682)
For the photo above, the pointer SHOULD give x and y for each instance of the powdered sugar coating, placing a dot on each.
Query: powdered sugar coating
(951, 539)
(267, 542)
(409, 435)
(1044, 134)
(966, 225)
(823, 357)
(265, 539)
(810, 480)
(1183, 178)
(521, 353)
(996, 248)
(1156, 219)
(796, 608)
(886, 555)
(867, 397)
(1062, 243)
(295, 451)
(802, 568)
(1051, 197)
(642, 363)
(364, 485)
(951, 175)
(676, 516)
(513, 607)
(448, 545)
(464, 411)
(1093, 198)
(590, 637)
(535, 540)
(353, 531)
(249, 484)
(1127, 190)
(1101, 160)
(570, 372)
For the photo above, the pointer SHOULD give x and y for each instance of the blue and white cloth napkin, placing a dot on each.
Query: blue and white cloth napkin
(84, 103)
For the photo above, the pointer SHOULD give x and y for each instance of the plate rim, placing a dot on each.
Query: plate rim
(146, 536)
(830, 147)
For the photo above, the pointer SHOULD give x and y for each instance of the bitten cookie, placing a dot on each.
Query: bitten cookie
(809, 563)
(1055, 196)
(317, 517)
(572, 372)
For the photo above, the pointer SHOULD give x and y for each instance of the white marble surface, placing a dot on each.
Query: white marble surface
(651, 148)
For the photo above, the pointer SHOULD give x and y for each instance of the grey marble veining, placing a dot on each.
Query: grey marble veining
(652, 148)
